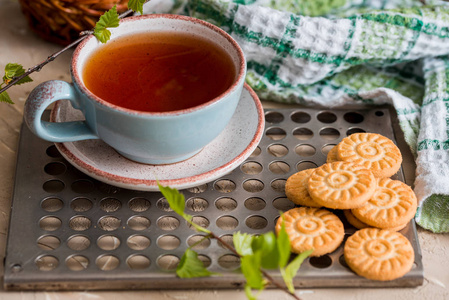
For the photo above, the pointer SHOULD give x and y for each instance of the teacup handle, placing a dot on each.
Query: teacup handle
(39, 99)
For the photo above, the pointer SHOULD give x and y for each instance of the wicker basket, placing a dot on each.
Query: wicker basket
(61, 21)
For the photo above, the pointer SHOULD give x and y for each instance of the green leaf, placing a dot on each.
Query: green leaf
(249, 293)
(266, 245)
(283, 245)
(190, 266)
(108, 20)
(289, 272)
(4, 97)
(250, 266)
(136, 5)
(15, 70)
(242, 243)
(175, 199)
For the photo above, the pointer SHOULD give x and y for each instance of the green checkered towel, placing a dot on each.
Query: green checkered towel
(336, 52)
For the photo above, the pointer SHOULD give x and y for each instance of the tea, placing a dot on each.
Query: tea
(159, 71)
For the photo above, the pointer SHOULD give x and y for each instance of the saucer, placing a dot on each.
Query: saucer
(226, 152)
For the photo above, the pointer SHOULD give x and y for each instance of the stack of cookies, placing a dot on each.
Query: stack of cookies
(356, 180)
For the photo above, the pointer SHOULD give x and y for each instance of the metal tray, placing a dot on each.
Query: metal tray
(71, 232)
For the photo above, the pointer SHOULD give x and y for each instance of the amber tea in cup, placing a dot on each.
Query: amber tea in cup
(159, 71)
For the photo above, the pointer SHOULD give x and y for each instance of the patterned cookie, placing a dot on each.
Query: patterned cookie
(296, 189)
(312, 228)
(373, 151)
(360, 225)
(341, 185)
(393, 204)
(379, 254)
(332, 155)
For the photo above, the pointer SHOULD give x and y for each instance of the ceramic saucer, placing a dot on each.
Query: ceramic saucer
(226, 152)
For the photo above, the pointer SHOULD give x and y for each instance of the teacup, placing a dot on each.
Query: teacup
(152, 137)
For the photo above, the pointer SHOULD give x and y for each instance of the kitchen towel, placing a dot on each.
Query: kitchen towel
(338, 52)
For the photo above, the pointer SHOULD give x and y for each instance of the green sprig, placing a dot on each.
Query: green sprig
(109, 19)
(12, 71)
(136, 5)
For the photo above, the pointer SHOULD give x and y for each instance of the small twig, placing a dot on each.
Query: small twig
(264, 273)
(37, 68)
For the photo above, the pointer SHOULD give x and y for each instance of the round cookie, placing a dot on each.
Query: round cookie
(373, 151)
(393, 204)
(379, 254)
(296, 189)
(332, 155)
(312, 228)
(341, 185)
(360, 225)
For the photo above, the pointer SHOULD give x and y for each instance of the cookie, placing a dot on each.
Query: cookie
(360, 225)
(296, 189)
(332, 155)
(393, 204)
(371, 150)
(312, 228)
(341, 185)
(379, 254)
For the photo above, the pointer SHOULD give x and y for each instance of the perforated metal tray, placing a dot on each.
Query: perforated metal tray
(68, 231)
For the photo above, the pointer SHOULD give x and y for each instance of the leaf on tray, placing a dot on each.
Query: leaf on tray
(191, 266)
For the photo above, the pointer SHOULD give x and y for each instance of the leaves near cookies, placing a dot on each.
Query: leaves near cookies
(11, 72)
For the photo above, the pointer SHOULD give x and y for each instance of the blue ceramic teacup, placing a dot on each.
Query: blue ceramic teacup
(152, 138)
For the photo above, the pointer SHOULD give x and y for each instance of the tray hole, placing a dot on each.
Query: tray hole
(168, 242)
(168, 262)
(227, 222)
(55, 168)
(379, 113)
(205, 259)
(326, 117)
(228, 239)
(48, 242)
(200, 221)
(53, 186)
(198, 189)
(276, 133)
(80, 223)
(353, 117)
(303, 134)
(46, 263)
(197, 204)
(82, 186)
(278, 150)
(138, 262)
(256, 152)
(342, 261)
(109, 223)
(50, 223)
(354, 130)
(78, 242)
(198, 242)
(107, 262)
(52, 204)
(16, 268)
(224, 186)
(256, 222)
(139, 204)
(253, 185)
(108, 189)
(163, 205)
(325, 150)
(304, 165)
(52, 151)
(321, 262)
(168, 223)
(251, 168)
(278, 185)
(226, 204)
(138, 242)
(110, 204)
(81, 204)
(305, 150)
(255, 203)
(283, 204)
(329, 134)
(139, 223)
(77, 262)
(274, 117)
(279, 167)
(300, 117)
(229, 261)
